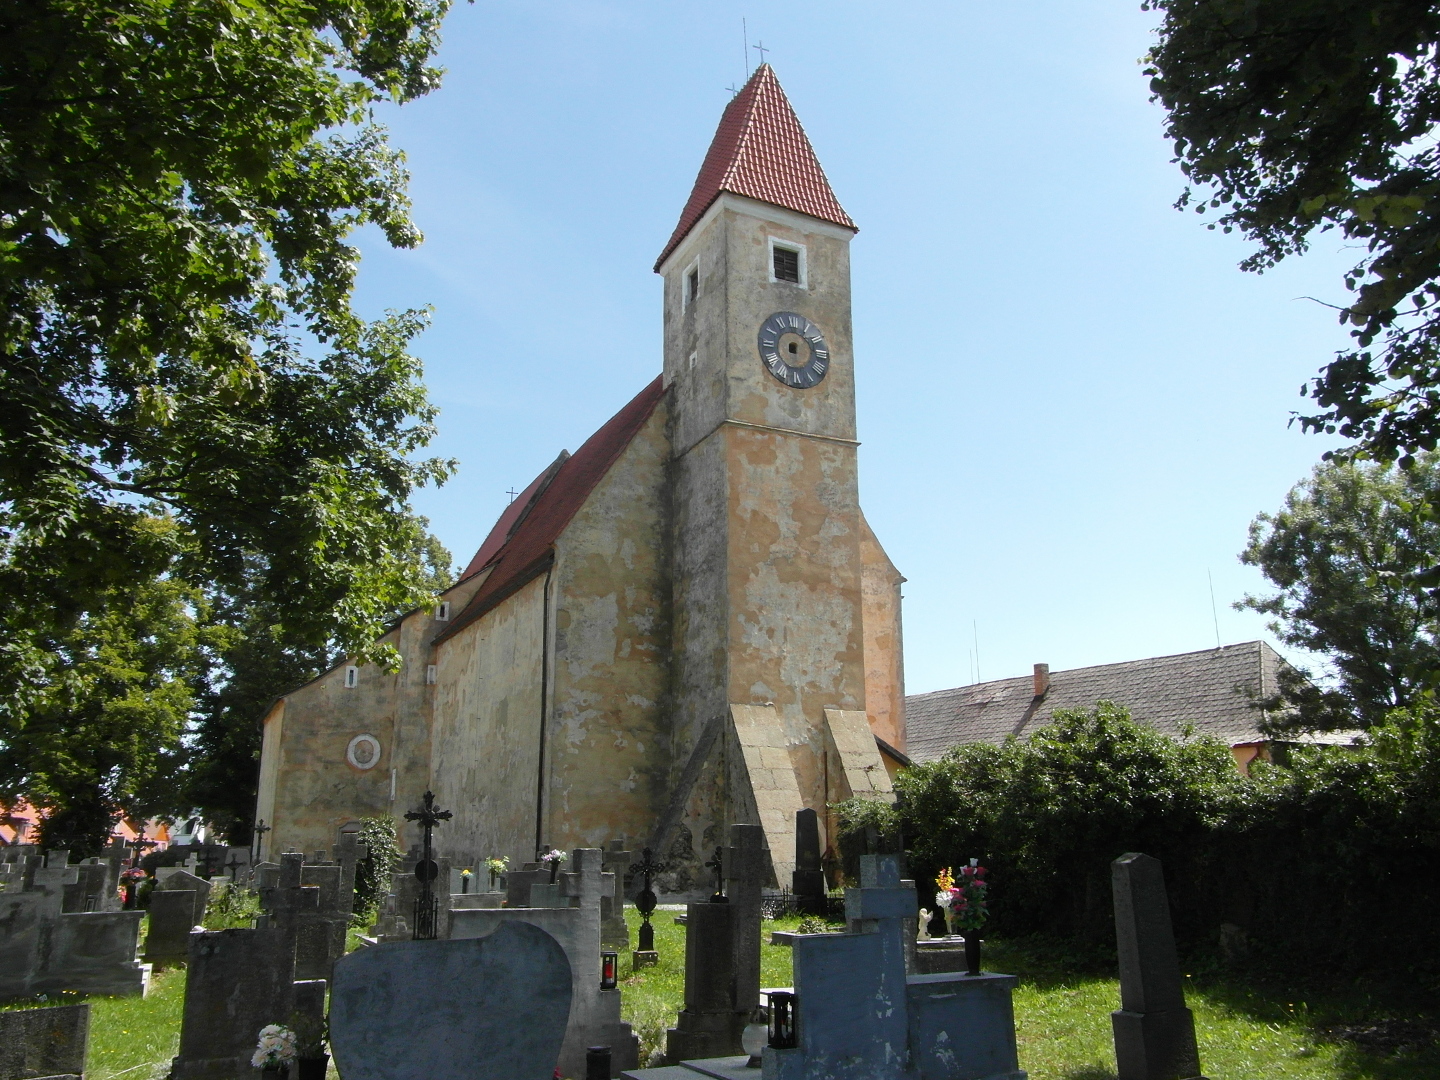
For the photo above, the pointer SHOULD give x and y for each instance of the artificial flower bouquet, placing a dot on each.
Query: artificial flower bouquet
(963, 899)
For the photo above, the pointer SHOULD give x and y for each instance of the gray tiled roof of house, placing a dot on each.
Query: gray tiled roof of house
(1214, 691)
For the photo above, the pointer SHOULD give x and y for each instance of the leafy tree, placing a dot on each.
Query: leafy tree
(1296, 116)
(372, 873)
(1343, 554)
(100, 735)
(177, 182)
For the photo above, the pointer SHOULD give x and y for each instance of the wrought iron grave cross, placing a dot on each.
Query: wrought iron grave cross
(718, 865)
(426, 870)
(647, 868)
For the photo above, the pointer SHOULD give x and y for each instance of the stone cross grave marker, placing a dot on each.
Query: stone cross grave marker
(349, 853)
(502, 1015)
(49, 1042)
(614, 934)
(1154, 1031)
(294, 908)
(315, 958)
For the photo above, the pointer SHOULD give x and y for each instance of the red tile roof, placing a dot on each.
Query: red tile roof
(760, 151)
(528, 535)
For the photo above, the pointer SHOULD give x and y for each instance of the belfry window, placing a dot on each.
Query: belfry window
(787, 264)
(692, 287)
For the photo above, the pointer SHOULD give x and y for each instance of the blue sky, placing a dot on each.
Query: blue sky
(1071, 401)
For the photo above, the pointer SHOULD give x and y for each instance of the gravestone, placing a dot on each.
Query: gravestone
(44, 1042)
(264, 875)
(518, 883)
(1154, 1031)
(502, 1015)
(171, 918)
(238, 981)
(184, 881)
(859, 1017)
(574, 921)
(293, 907)
(325, 944)
(614, 934)
(808, 879)
(722, 955)
(44, 950)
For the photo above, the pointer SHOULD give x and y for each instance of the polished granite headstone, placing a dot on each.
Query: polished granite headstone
(501, 1015)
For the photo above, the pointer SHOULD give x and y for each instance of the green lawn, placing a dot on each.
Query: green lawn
(1247, 1030)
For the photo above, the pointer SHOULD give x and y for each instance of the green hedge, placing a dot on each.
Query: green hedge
(1329, 860)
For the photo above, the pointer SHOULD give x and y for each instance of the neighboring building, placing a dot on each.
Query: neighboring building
(1215, 692)
(685, 624)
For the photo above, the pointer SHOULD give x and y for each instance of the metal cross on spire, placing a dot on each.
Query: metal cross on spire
(759, 47)
(426, 870)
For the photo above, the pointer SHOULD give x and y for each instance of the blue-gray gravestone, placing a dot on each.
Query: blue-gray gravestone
(1154, 1031)
(491, 1008)
(44, 1042)
(171, 917)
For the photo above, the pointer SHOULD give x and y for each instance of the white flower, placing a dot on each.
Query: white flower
(276, 1047)
(943, 899)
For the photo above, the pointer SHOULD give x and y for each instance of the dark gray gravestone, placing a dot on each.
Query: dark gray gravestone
(184, 881)
(44, 1042)
(501, 1016)
(238, 981)
(614, 934)
(1154, 1031)
(747, 865)
(518, 882)
(171, 917)
(808, 880)
(707, 1026)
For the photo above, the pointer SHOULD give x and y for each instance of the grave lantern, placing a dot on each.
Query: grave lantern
(782, 1020)
(755, 1036)
(608, 963)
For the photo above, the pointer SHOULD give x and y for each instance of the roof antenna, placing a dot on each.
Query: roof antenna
(975, 625)
(1213, 613)
(745, 33)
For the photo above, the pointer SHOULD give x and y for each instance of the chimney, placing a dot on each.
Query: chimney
(1042, 679)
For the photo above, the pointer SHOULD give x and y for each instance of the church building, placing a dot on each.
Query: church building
(686, 623)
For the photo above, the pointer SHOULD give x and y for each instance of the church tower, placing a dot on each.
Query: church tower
(769, 646)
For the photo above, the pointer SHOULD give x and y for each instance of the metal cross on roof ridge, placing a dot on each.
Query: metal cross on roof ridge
(759, 47)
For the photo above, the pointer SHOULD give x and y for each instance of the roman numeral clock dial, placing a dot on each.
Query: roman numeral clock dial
(794, 350)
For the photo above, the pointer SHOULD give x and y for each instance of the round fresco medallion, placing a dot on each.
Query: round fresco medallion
(363, 751)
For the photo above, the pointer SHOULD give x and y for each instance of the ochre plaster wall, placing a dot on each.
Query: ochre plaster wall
(310, 789)
(608, 748)
(884, 655)
(485, 744)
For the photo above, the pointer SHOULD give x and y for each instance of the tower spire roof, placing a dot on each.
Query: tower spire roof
(760, 151)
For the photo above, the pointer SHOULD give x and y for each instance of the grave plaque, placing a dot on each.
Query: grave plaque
(502, 1015)
(1154, 1031)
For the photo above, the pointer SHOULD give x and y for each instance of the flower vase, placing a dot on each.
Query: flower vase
(312, 1068)
(972, 951)
(274, 1072)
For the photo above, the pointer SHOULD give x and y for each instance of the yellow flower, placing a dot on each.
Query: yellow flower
(945, 880)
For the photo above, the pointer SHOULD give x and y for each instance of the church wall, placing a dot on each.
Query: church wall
(485, 744)
(309, 788)
(884, 655)
(795, 588)
(608, 748)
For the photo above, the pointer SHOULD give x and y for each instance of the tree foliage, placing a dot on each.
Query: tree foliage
(1344, 554)
(1292, 117)
(177, 182)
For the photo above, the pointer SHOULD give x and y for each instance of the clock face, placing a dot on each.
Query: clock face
(794, 349)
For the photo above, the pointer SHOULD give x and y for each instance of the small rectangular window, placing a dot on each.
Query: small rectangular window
(442, 611)
(692, 286)
(787, 264)
(352, 677)
(430, 674)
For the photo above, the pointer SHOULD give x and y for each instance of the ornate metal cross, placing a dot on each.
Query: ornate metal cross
(718, 865)
(645, 901)
(233, 865)
(260, 830)
(426, 869)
